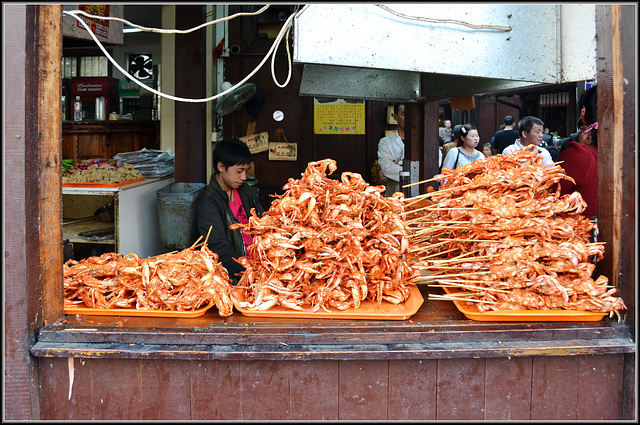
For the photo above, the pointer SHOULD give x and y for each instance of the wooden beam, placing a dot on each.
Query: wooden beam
(190, 81)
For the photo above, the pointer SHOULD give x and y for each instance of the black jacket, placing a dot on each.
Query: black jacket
(213, 210)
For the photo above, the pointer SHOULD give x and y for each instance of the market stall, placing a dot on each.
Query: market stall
(435, 364)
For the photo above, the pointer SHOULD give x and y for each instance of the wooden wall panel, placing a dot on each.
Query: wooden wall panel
(54, 390)
(363, 390)
(166, 389)
(605, 374)
(314, 391)
(213, 390)
(505, 396)
(126, 401)
(264, 390)
(554, 391)
(460, 389)
(412, 389)
(520, 388)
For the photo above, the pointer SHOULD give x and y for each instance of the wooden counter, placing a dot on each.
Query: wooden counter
(104, 139)
(437, 330)
(437, 365)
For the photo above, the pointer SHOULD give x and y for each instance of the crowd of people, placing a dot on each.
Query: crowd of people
(460, 145)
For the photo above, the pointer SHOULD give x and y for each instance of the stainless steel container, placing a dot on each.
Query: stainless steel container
(101, 108)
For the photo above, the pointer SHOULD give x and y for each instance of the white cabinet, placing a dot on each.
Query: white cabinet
(135, 226)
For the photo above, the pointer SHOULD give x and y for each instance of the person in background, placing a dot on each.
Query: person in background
(580, 159)
(445, 133)
(454, 142)
(487, 150)
(391, 153)
(493, 138)
(505, 137)
(227, 200)
(466, 152)
(564, 141)
(547, 137)
(531, 130)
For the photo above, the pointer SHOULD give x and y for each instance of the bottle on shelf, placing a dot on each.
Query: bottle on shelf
(77, 109)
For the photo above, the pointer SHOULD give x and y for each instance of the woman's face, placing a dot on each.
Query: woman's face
(486, 150)
(472, 139)
(584, 138)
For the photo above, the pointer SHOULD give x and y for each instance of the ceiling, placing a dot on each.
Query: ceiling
(146, 15)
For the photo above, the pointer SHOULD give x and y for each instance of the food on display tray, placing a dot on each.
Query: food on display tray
(102, 172)
(326, 245)
(500, 234)
(188, 281)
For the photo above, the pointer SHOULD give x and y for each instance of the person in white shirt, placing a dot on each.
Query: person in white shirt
(391, 153)
(466, 152)
(531, 131)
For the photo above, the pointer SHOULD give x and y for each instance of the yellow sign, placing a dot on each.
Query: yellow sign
(257, 142)
(281, 151)
(339, 118)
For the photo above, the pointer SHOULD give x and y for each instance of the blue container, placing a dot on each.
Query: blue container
(177, 203)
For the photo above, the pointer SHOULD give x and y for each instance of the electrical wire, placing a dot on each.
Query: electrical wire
(284, 30)
(443, 21)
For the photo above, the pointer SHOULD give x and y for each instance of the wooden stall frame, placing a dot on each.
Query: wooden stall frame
(33, 252)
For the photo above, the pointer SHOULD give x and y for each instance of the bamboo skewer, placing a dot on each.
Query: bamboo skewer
(435, 276)
(437, 253)
(464, 260)
(450, 298)
(432, 179)
(462, 285)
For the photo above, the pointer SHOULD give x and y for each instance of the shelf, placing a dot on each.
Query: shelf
(70, 231)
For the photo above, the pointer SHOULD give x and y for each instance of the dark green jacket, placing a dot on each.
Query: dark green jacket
(213, 210)
(564, 142)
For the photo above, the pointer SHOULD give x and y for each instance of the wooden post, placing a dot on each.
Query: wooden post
(191, 74)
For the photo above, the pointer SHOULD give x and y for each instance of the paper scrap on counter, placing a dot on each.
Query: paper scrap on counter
(281, 151)
(257, 142)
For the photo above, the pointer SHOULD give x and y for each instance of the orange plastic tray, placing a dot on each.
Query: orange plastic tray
(96, 184)
(473, 313)
(84, 310)
(367, 310)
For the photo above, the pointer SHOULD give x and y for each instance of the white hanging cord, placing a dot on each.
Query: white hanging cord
(285, 29)
(273, 58)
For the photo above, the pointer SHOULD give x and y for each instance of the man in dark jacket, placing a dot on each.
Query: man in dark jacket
(227, 200)
(506, 137)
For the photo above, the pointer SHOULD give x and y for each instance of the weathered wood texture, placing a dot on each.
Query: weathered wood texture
(106, 139)
(17, 333)
(617, 147)
(529, 388)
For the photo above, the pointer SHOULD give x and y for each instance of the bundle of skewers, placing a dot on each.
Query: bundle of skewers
(326, 243)
(499, 236)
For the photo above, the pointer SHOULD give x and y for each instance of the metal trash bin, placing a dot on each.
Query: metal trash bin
(177, 203)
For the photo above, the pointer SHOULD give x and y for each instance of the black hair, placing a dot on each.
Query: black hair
(526, 124)
(589, 101)
(230, 152)
(396, 107)
(456, 131)
(508, 120)
(464, 130)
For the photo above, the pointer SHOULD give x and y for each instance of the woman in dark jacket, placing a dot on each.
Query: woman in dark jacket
(227, 200)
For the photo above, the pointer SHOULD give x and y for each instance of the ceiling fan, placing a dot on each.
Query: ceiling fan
(235, 100)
